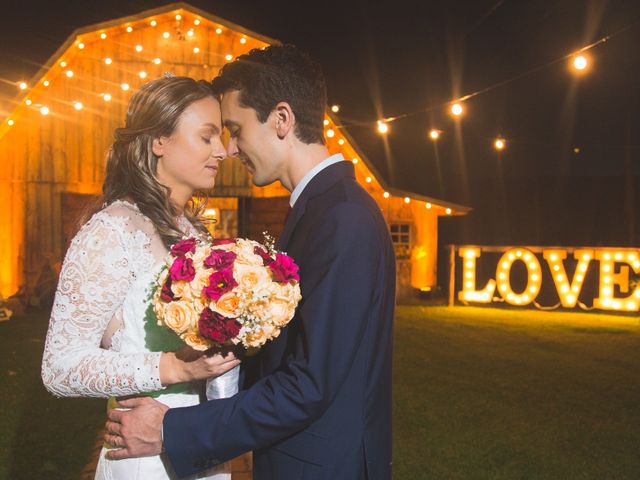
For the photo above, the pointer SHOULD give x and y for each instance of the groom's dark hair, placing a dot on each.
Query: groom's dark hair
(279, 73)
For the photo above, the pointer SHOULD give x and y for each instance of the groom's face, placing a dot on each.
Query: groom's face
(256, 144)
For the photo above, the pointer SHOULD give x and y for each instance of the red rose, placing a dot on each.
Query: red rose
(266, 258)
(284, 269)
(215, 327)
(222, 241)
(183, 247)
(166, 294)
(220, 282)
(182, 269)
(220, 259)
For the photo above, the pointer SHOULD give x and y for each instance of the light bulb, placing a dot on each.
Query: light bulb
(103, 36)
(143, 74)
(138, 48)
(23, 85)
(108, 61)
(44, 110)
(129, 29)
(196, 50)
(157, 61)
(69, 73)
(125, 86)
(77, 105)
(106, 97)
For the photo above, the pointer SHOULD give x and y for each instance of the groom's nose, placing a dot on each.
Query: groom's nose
(232, 148)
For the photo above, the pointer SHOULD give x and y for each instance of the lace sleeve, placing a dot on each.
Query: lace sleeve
(94, 280)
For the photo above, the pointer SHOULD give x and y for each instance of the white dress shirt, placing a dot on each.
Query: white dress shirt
(327, 162)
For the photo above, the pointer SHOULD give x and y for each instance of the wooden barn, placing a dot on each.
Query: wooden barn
(53, 147)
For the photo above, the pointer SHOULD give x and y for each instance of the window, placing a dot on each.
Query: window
(401, 238)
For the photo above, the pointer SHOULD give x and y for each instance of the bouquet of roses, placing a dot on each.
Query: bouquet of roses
(226, 292)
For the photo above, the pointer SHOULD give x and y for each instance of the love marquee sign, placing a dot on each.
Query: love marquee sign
(586, 277)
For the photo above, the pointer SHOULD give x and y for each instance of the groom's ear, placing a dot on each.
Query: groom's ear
(285, 119)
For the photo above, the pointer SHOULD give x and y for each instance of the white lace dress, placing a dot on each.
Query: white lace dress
(104, 287)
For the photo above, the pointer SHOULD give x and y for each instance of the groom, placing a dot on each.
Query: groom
(318, 402)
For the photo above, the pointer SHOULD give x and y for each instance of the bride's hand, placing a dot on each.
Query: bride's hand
(188, 364)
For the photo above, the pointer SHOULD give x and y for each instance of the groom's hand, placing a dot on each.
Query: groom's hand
(136, 432)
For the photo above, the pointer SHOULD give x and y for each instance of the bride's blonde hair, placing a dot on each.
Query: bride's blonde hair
(153, 112)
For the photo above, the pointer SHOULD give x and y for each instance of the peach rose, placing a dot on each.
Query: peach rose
(195, 341)
(245, 255)
(251, 278)
(281, 311)
(180, 316)
(228, 305)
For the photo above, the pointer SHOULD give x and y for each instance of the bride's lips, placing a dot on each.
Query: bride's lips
(213, 169)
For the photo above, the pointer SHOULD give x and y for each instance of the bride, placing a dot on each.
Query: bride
(100, 341)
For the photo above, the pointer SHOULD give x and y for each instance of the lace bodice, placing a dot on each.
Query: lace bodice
(104, 281)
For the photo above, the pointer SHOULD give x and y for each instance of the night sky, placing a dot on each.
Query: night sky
(570, 174)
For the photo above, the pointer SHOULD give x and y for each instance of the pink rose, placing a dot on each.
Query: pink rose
(183, 247)
(166, 293)
(215, 327)
(220, 282)
(266, 258)
(222, 241)
(220, 259)
(284, 269)
(182, 269)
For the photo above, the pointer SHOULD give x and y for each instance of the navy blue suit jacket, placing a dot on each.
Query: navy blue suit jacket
(319, 406)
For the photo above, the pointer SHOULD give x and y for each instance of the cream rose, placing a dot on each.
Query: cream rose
(180, 316)
(251, 278)
(228, 305)
(196, 342)
(245, 255)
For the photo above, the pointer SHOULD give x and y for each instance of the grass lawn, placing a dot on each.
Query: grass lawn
(479, 394)
(515, 394)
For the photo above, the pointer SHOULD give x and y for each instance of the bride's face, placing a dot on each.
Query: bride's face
(189, 158)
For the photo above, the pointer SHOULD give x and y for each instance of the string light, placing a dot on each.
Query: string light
(125, 86)
(354, 161)
(45, 83)
(108, 61)
(386, 195)
(428, 205)
(63, 64)
(580, 63)
(106, 97)
(335, 108)
(326, 122)
(368, 179)
(196, 50)
(178, 17)
(243, 40)
(330, 133)
(10, 122)
(44, 110)
(103, 35)
(69, 73)
(434, 134)
(228, 57)
(448, 211)
(190, 32)
(407, 200)
(129, 29)
(499, 144)
(341, 141)
(196, 21)
(77, 105)
(23, 85)
(28, 101)
(456, 109)
(157, 61)
(142, 74)
(138, 48)
(166, 34)
(153, 23)
(81, 45)
(382, 127)
(218, 30)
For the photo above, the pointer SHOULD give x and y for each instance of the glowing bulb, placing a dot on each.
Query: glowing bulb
(77, 105)
(28, 101)
(108, 61)
(157, 61)
(382, 127)
(243, 40)
(407, 199)
(368, 179)
(106, 97)
(125, 86)
(434, 134)
(456, 109)
(228, 57)
(580, 62)
(341, 141)
(63, 64)
(129, 29)
(326, 122)
(44, 110)
(385, 194)
(10, 122)
(69, 73)
(448, 211)
(190, 32)
(103, 36)
(355, 161)
(330, 133)
(46, 83)
(196, 21)
(143, 74)
(23, 85)
(178, 17)
(153, 23)
(335, 108)
(218, 30)
(166, 34)
(428, 205)
(196, 50)
(499, 144)
(138, 48)
(81, 45)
